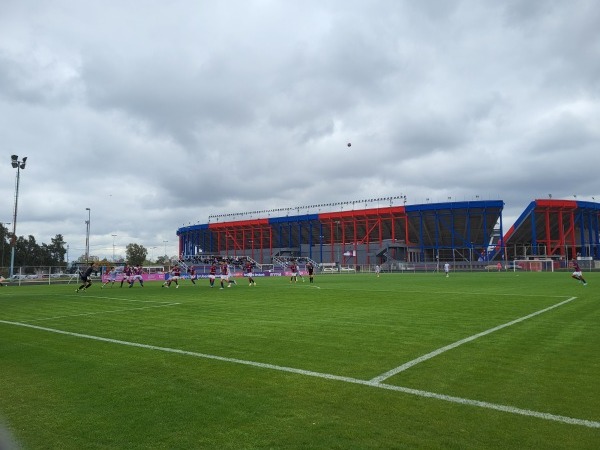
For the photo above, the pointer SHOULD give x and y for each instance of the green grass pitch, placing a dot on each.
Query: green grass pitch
(475, 360)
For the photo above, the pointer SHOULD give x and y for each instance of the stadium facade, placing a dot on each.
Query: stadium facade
(395, 235)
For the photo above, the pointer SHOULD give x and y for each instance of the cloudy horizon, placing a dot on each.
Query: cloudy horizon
(156, 115)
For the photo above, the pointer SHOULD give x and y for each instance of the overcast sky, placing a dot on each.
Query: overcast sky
(156, 114)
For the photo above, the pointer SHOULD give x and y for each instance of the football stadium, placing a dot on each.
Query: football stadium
(357, 236)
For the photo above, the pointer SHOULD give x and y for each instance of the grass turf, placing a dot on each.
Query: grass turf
(77, 391)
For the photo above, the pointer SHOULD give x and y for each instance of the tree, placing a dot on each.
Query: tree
(163, 261)
(4, 243)
(57, 250)
(136, 254)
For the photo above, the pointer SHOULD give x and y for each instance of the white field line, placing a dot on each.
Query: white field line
(420, 359)
(103, 312)
(417, 392)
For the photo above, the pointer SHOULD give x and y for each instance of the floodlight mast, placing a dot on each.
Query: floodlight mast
(16, 164)
(87, 235)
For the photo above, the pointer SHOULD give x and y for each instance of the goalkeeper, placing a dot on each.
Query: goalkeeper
(86, 277)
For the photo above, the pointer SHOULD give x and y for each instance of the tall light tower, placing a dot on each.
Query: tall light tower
(337, 237)
(165, 242)
(16, 165)
(87, 235)
(113, 236)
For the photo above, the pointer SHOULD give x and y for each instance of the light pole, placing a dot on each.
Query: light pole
(16, 165)
(337, 236)
(3, 225)
(152, 253)
(165, 242)
(321, 248)
(87, 235)
(113, 236)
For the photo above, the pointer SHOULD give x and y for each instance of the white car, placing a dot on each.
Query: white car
(18, 277)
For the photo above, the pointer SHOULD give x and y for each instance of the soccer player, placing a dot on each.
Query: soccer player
(250, 274)
(192, 273)
(126, 275)
(311, 269)
(86, 278)
(175, 274)
(294, 270)
(212, 274)
(377, 270)
(300, 273)
(225, 270)
(577, 272)
(2, 280)
(137, 275)
(447, 269)
(112, 276)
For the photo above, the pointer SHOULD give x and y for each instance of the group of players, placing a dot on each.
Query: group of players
(224, 274)
(131, 274)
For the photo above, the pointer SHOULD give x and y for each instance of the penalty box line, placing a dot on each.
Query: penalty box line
(416, 392)
(444, 349)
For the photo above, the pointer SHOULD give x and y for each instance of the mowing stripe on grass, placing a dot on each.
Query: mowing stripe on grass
(103, 312)
(420, 359)
(111, 298)
(417, 392)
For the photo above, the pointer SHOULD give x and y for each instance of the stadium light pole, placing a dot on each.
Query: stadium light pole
(13, 241)
(337, 236)
(165, 242)
(321, 248)
(87, 235)
(113, 236)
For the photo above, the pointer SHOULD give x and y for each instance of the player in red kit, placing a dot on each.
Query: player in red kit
(175, 274)
(127, 274)
(577, 272)
(212, 274)
(137, 275)
(250, 274)
(192, 273)
(294, 270)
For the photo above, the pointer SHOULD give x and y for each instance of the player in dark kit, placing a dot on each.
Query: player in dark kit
(577, 272)
(250, 274)
(311, 269)
(86, 278)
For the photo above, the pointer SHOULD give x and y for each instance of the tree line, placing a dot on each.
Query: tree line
(29, 253)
